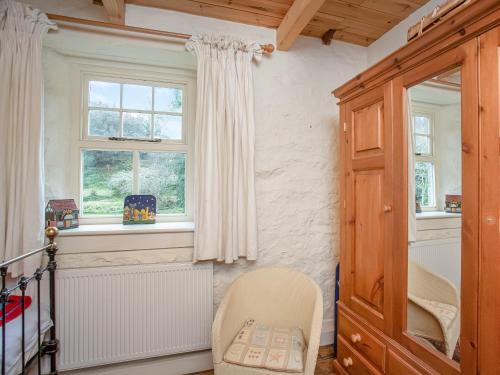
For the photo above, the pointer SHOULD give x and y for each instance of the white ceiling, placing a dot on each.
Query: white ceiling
(434, 95)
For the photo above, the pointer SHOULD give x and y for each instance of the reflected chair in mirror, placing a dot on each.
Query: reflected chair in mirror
(433, 308)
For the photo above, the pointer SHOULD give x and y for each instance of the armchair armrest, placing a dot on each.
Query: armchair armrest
(226, 324)
(314, 338)
(426, 284)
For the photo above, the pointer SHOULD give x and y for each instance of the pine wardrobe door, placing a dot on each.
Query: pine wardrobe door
(367, 213)
(489, 281)
(449, 82)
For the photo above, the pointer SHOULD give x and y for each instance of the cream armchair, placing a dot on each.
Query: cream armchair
(278, 297)
(433, 307)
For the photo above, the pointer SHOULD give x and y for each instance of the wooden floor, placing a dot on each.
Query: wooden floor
(324, 366)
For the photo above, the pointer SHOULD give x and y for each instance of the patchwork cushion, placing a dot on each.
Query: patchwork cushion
(263, 346)
(444, 313)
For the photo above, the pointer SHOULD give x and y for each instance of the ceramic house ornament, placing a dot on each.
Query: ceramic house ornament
(62, 214)
(139, 209)
(453, 203)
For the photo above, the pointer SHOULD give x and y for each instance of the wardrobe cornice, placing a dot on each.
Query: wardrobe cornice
(454, 29)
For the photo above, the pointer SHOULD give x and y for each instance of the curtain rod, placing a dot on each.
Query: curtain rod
(266, 48)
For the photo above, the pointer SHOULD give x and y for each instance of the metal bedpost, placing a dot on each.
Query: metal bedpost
(4, 295)
(50, 347)
(38, 277)
(23, 284)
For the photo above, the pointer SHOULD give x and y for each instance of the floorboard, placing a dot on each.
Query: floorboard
(324, 366)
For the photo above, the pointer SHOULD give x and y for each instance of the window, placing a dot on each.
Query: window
(134, 141)
(125, 110)
(425, 183)
(425, 166)
(423, 135)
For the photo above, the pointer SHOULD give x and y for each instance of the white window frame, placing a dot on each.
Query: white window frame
(430, 158)
(163, 84)
(144, 76)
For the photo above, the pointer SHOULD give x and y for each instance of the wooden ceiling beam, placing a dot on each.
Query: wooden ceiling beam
(296, 19)
(115, 10)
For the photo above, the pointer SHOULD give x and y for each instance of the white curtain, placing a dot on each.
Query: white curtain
(21, 132)
(412, 216)
(225, 218)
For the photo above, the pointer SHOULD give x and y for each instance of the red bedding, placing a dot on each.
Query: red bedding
(13, 308)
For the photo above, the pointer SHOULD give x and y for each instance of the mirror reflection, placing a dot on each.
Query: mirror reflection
(434, 209)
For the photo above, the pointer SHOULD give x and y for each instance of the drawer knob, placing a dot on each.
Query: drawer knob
(347, 362)
(356, 337)
(387, 208)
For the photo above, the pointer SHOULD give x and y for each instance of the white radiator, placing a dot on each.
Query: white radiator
(442, 257)
(115, 314)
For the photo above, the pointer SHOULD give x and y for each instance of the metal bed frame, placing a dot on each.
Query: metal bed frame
(47, 347)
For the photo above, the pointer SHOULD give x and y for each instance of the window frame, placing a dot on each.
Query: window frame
(421, 111)
(430, 116)
(112, 79)
(100, 143)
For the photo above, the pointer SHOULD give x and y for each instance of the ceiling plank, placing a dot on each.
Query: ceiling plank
(354, 21)
(265, 7)
(296, 19)
(207, 9)
(398, 8)
(360, 14)
(326, 21)
(115, 10)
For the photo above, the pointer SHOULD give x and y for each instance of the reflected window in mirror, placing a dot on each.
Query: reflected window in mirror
(425, 164)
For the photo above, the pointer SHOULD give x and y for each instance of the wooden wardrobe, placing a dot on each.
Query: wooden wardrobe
(372, 334)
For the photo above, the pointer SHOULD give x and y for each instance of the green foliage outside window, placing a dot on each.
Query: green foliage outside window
(424, 183)
(162, 174)
(108, 179)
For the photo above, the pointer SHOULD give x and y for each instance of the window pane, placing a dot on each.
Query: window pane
(137, 97)
(162, 174)
(136, 125)
(168, 127)
(104, 94)
(107, 180)
(424, 184)
(422, 125)
(104, 123)
(422, 144)
(168, 99)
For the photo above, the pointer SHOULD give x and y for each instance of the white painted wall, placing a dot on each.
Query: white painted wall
(448, 152)
(396, 37)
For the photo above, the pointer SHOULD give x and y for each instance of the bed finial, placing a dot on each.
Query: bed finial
(51, 233)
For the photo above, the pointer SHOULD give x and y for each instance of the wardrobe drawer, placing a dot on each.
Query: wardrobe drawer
(361, 340)
(397, 365)
(352, 361)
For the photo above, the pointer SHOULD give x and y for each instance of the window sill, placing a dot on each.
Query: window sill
(436, 215)
(107, 245)
(119, 229)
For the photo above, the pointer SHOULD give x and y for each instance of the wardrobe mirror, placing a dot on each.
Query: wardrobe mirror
(434, 209)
